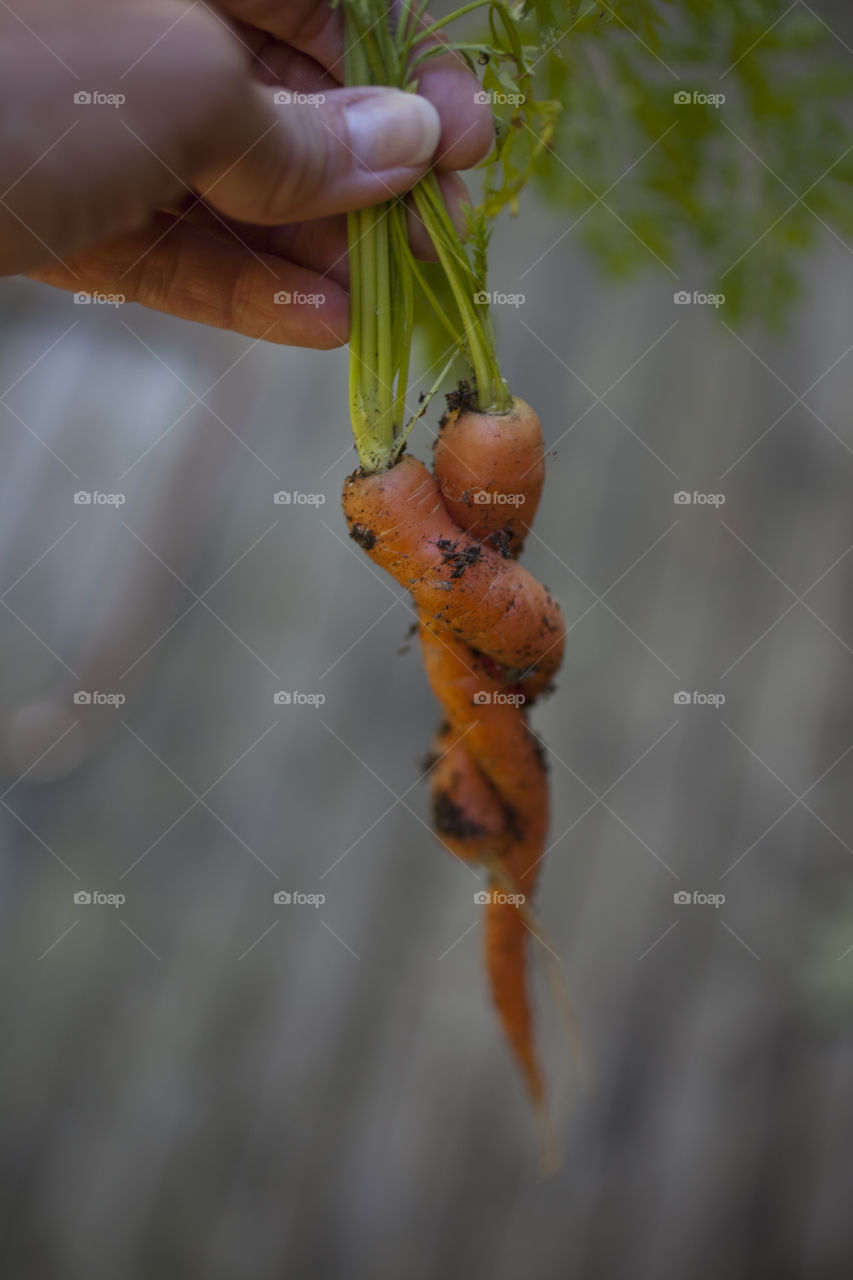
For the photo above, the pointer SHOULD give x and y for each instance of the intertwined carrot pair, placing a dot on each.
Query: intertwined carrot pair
(492, 639)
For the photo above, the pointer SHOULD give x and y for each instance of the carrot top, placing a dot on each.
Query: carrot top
(390, 49)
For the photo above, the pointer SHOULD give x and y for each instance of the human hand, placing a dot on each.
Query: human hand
(199, 194)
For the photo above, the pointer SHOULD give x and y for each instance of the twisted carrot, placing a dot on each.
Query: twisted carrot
(492, 639)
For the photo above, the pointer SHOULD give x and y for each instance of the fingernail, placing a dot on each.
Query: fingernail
(393, 130)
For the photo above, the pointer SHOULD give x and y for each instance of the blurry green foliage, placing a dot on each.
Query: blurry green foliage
(748, 184)
(741, 182)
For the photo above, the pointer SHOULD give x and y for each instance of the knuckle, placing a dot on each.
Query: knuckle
(154, 281)
(240, 301)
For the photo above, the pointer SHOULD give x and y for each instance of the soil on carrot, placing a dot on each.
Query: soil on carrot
(513, 826)
(510, 677)
(363, 536)
(459, 559)
(501, 540)
(449, 820)
(463, 397)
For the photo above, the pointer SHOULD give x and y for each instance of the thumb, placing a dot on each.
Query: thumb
(297, 156)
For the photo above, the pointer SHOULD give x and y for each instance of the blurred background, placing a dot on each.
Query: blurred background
(198, 1080)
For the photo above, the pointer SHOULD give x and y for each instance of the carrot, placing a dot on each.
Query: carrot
(491, 635)
(494, 605)
(466, 810)
(494, 779)
(491, 468)
(492, 638)
(494, 732)
(505, 938)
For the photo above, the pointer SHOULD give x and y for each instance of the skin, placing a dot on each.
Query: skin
(199, 195)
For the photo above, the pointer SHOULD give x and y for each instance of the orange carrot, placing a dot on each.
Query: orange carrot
(499, 792)
(506, 938)
(494, 605)
(490, 469)
(492, 638)
(466, 810)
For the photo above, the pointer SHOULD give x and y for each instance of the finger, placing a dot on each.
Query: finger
(355, 148)
(467, 124)
(319, 245)
(176, 268)
(192, 117)
(276, 63)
